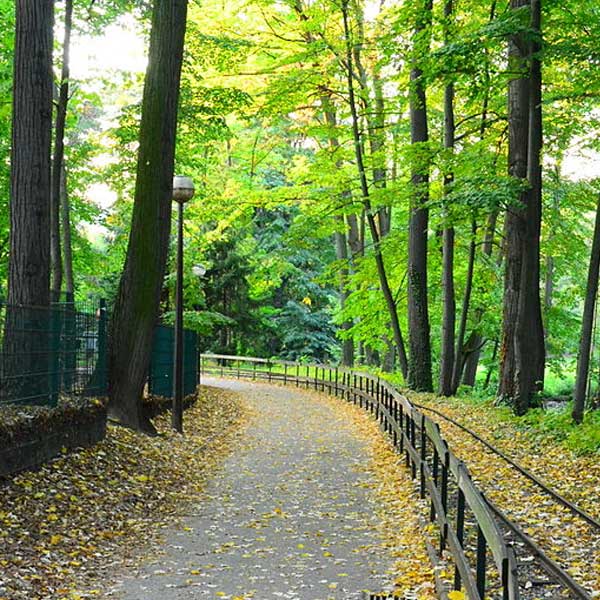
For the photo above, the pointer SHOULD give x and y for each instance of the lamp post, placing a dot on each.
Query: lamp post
(183, 190)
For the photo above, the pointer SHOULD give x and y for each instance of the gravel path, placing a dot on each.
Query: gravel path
(289, 515)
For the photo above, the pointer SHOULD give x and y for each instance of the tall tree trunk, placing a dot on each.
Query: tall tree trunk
(26, 328)
(585, 341)
(419, 375)
(374, 115)
(136, 307)
(469, 362)
(59, 154)
(530, 354)
(449, 301)
(515, 222)
(341, 247)
(384, 214)
(383, 279)
(29, 262)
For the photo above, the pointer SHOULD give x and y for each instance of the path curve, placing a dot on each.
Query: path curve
(290, 515)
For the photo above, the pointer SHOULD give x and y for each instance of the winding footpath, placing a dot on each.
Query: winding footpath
(290, 515)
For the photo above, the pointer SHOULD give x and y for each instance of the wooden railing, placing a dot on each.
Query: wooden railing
(467, 528)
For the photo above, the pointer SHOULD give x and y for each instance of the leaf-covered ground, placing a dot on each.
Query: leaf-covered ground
(570, 541)
(312, 505)
(65, 527)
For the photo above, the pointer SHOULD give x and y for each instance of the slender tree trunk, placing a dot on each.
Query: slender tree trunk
(488, 375)
(449, 301)
(66, 233)
(464, 315)
(384, 214)
(471, 348)
(383, 279)
(585, 341)
(136, 307)
(341, 247)
(515, 222)
(59, 154)
(419, 375)
(471, 360)
(341, 242)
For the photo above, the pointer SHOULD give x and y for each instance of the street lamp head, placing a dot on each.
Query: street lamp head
(199, 270)
(183, 188)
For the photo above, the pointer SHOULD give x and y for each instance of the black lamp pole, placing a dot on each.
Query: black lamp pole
(183, 190)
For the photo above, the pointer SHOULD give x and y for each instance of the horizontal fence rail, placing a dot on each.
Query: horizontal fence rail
(467, 528)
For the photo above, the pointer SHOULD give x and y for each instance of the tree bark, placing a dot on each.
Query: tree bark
(419, 372)
(25, 364)
(469, 362)
(448, 300)
(587, 322)
(341, 247)
(383, 279)
(137, 303)
(530, 355)
(29, 262)
(57, 161)
(515, 222)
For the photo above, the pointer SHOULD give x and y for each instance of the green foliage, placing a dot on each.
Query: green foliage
(558, 424)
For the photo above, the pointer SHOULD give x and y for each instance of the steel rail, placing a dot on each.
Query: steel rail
(548, 564)
(526, 473)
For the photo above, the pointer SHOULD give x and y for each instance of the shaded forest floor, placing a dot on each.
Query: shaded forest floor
(570, 541)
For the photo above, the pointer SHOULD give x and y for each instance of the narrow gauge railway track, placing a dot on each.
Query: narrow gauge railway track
(557, 581)
(526, 473)
(523, 543)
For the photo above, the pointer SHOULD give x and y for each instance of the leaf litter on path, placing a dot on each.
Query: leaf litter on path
(64, 527)
(313, 505)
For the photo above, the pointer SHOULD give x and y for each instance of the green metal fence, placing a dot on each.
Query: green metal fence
(160, 379)
(49, 351)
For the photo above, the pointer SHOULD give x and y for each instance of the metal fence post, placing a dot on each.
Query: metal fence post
(70, 343)
(55, 327)
(460, 531)
(480, 568)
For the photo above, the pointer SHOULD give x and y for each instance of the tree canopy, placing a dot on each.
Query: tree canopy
(374, 181)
